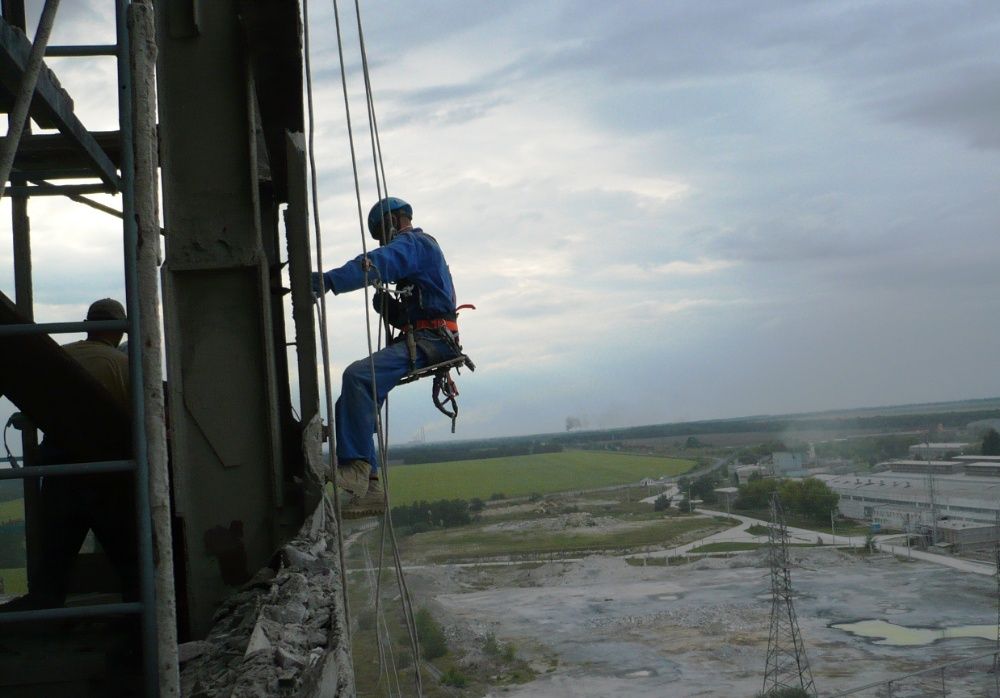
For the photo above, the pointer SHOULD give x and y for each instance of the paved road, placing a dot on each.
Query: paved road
(953, 562)
(740, 534)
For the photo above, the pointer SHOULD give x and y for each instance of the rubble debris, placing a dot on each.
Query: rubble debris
(282, 633)
(189, 650)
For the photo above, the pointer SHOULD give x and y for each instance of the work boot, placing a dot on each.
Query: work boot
(353, 476)
(372, 503)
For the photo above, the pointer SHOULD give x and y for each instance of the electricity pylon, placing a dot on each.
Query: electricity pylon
(787, 665)
(996, 561)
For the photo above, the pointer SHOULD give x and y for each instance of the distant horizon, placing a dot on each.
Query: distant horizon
(760, 415)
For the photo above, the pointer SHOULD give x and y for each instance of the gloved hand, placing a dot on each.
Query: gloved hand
(393, 310)
(320, 284)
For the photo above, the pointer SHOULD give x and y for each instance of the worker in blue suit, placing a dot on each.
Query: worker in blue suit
(422, 308)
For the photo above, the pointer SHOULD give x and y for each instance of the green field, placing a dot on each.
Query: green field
(524, 475)
(725, 547)
(15, 581)
(473, 542)
(12, 510)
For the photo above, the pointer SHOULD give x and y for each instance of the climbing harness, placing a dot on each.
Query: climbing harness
(444, 389)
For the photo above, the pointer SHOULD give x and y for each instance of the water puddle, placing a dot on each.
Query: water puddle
(886, 633)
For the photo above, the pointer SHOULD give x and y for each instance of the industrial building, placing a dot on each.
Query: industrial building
(745, 472)
(957, 501)
(938, 449)
(787, 461)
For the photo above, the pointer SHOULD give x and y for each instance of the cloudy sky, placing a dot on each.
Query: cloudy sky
(663, 211)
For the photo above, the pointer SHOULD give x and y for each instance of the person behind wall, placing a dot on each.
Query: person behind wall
(425, 314)
(73, 505)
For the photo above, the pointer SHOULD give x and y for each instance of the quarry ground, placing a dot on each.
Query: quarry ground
(596, 625)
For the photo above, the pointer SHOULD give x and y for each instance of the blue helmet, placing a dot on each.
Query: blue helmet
(388, 205)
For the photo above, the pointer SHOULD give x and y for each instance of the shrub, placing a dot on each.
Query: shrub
(453, 677)
(476, 504)
(661, 503)
(366, 619)
(490, 645)
(431, 634)
(507, 652)
(496, 496)
(443, 512)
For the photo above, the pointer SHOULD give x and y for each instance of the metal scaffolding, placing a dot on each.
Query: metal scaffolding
(33, 361)
(245, 456)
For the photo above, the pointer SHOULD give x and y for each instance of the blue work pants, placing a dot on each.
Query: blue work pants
(355, 410)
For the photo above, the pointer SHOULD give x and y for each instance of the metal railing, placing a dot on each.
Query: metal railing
(145, 607)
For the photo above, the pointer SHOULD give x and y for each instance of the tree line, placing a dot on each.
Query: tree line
(423, 515)
(810, 498)
(472, 450)
(552, 443)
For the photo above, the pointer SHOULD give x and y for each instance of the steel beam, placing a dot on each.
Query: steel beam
(55, 156)
(303, 315)
(52, 107)
(60, 190)
(113, 466)
(221, 371)
(272, 29)
(72, 613)
(77, 51)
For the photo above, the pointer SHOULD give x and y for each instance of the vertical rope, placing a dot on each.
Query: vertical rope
(382, 440)
(324, 340)
(382, 429)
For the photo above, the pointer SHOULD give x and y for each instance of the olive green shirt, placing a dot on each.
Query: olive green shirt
(105, 363)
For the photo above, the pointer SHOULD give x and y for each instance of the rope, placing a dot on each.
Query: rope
(382, 441)
(324, 340)
(379, 165)
(382, 636)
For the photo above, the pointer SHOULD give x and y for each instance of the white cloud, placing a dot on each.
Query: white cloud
(710, 208)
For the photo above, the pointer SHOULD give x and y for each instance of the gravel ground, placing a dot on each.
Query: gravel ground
(567, 522)
(600, 627)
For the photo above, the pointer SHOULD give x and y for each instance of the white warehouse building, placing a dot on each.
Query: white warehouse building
(901, 500)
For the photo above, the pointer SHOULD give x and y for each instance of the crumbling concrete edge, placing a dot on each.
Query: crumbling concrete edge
(283, 633)
(332, 674)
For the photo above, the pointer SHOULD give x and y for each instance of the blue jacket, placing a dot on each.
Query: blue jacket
(412, 258)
